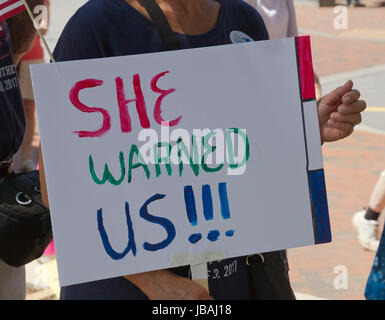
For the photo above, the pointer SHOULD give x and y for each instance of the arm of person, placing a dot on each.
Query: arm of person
(165, 285)
(339, 112)
(22, 31)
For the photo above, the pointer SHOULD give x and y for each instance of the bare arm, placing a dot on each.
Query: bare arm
(165, 285)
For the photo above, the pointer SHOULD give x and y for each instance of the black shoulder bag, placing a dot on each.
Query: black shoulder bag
(25, 225)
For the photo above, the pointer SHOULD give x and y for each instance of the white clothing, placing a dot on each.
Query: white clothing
(279, 17)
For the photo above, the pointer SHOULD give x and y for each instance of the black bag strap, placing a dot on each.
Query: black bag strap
(169, 39)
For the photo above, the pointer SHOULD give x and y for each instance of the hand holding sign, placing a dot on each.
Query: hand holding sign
(339, 112)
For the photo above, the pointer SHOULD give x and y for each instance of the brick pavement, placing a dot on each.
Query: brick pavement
(361, 45)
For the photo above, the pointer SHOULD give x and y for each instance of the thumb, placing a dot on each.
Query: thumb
(336, 95)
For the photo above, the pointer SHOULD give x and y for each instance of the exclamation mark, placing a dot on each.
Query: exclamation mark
(207, 199)
(208, 210)
(225, 209)
(189, 200)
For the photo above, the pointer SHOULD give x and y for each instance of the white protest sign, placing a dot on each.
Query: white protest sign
(161, 160)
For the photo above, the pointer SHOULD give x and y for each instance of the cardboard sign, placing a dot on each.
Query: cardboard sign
(162, 160)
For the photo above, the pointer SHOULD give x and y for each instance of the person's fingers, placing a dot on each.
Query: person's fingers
(354, 107)
(353, 118)
(351, 96)
(336, 95)
(345, 128)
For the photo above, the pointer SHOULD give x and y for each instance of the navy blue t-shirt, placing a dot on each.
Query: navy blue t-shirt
(107, 28)
(12, 122)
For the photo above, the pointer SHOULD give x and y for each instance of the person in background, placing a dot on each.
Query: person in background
(16, 37)
(33, 56)
(366, 221)
(280, 20)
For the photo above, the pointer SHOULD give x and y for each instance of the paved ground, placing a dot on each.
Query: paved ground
(352, 165)
(360, 46)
